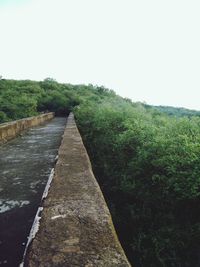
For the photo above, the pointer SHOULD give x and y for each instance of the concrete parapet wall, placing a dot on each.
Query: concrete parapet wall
(10, 130)
(76, 228)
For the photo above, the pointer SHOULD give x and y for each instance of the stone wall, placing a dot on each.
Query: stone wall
(10, 130)
(75, 228)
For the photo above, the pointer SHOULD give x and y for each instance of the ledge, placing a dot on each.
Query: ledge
(76, 228)
(10, 130)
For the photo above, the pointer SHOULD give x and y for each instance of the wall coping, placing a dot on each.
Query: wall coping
(10, 130)
(75, 228)
(25, 119)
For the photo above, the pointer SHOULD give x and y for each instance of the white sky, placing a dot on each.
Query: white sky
(147, 50)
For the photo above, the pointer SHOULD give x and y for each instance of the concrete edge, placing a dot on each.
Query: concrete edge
(11, 129)
(110, 252)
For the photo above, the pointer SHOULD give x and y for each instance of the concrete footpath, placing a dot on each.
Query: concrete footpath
(75, 228)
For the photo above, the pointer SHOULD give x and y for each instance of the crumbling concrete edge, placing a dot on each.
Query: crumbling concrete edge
(36, 222)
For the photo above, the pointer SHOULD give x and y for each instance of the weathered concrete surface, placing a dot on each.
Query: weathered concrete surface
(25, 165)
(10, 130)
(76, 228)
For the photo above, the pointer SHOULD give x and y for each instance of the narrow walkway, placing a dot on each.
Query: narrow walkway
(25, 164)
(76, 228)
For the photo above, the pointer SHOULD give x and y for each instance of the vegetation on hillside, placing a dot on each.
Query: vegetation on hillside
(19, 99)
(172, 111)
(147, 164)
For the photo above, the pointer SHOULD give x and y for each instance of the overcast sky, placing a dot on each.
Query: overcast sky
(147, 50)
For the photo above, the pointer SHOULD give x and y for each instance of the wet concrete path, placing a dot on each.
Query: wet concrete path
(25, 164)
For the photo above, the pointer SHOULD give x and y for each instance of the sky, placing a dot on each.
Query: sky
(148, 51)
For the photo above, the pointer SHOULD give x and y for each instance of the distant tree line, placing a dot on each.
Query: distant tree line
(172, 111)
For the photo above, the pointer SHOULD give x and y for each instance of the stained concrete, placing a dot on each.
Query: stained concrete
(76, 228)
(25, 165)
(10, 130)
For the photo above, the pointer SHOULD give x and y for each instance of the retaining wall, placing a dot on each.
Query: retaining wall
(10, 130)
(75, 228)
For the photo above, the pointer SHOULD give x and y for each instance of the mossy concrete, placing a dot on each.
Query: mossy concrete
(10, 130)
(76, 228)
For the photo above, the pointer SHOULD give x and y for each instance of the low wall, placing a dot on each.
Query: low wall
(75, 228)
(10, 130)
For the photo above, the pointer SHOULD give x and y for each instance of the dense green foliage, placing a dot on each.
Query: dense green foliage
(147, 164)
(19, 99)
